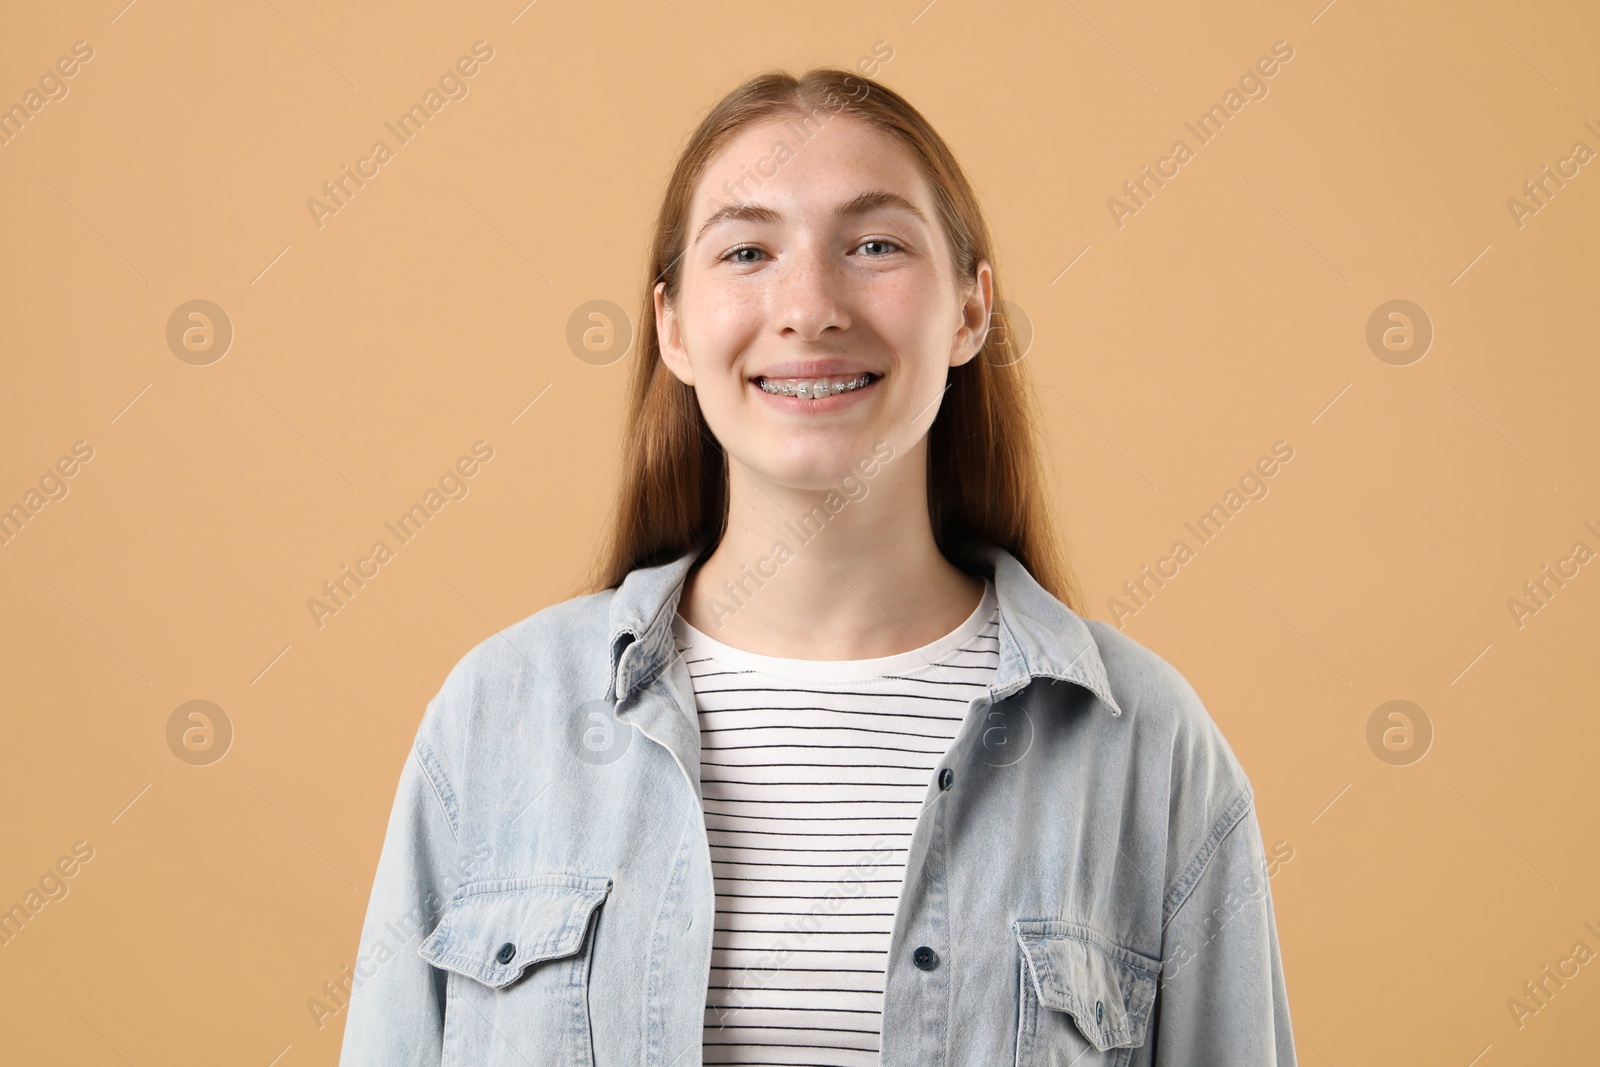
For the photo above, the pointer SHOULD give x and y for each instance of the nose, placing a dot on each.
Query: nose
(809, 295)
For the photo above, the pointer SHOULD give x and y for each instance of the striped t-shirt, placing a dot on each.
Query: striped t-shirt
(813, 773)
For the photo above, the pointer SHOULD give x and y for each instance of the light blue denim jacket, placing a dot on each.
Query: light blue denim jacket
(1090, 877)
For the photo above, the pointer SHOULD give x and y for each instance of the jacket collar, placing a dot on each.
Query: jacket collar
(1040, 637)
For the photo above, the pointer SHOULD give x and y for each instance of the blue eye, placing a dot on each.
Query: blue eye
(742, 248)
(878, 241)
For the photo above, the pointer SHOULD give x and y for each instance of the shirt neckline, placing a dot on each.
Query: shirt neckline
(842, 670)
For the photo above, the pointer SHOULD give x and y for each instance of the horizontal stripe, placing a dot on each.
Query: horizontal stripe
(813, 776)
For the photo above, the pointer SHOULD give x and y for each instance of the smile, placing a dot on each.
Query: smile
(814, 388)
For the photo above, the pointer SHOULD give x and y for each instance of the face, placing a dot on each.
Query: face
(829, 274)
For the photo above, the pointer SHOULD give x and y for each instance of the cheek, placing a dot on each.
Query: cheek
(718, 324)
(918, 337)
(911, 306)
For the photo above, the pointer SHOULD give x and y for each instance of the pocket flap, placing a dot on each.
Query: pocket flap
(1107, 989)
(494, 929)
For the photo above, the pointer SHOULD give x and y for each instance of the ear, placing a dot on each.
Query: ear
(976, 309)
(670, 338)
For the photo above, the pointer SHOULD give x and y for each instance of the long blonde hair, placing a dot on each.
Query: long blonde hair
(985, 480)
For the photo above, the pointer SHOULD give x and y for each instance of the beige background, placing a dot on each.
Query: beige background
(368, 354)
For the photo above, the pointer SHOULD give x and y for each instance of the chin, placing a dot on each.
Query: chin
(817, 468)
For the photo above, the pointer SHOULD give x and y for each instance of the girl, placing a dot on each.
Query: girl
(827, 769)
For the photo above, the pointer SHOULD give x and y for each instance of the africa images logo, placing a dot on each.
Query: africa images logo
(452, 85)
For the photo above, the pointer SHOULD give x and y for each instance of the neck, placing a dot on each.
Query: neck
(850, 572)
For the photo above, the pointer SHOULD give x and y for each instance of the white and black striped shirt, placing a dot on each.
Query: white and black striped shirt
(813, 773)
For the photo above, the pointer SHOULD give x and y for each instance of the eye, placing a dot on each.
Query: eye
(730, 254)
(879, 241)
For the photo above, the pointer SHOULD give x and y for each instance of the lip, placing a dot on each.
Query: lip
(815, 368)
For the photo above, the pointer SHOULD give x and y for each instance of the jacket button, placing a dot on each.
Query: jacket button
(507, 951)
(946, 778)
(925, 958)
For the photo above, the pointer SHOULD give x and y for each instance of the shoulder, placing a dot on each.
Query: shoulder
(550, 658)
(1175, 736)
(1166, 709)
(557, 637)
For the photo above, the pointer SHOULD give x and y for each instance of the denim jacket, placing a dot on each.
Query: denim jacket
(1087, 865)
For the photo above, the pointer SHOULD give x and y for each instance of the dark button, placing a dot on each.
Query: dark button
(925, 958)
(946, 777)
(507, 951)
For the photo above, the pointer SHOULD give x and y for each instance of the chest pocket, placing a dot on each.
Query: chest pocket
(1083, 1001)
(517, 951)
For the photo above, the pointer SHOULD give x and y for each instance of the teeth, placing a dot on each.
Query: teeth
(812, 388)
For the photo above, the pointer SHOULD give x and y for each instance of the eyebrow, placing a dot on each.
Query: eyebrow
(874, 200)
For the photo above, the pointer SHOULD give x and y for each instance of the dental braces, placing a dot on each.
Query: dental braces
(813, 390)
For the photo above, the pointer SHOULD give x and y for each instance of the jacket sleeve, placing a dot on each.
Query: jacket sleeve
(395, 1015)
(1221, 997)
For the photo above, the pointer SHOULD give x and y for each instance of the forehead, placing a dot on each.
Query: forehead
(806, 168)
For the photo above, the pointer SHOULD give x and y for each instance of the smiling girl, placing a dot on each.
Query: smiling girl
(827, 769)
